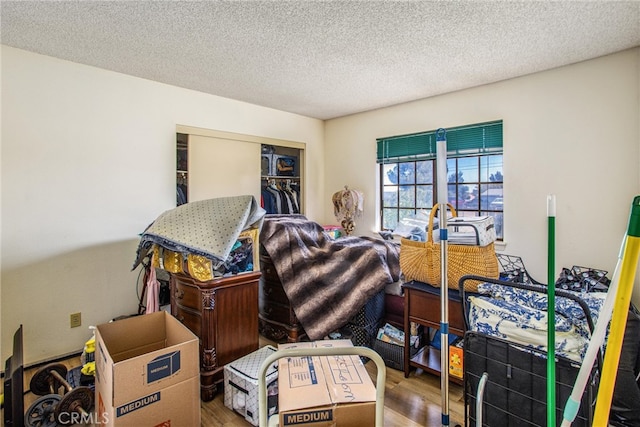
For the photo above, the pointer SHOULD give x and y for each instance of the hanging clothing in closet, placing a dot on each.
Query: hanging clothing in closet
(181, 194)
(280, 197)
(181, 189)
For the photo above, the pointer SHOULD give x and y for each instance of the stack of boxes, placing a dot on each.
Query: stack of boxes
(325, 391)
(321, 391)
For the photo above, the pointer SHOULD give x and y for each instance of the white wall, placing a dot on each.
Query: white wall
(572, 131)
(88, 161)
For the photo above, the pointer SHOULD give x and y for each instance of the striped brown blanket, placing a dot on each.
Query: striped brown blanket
(327, 281)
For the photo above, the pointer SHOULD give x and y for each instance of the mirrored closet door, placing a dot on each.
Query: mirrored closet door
(213, 164)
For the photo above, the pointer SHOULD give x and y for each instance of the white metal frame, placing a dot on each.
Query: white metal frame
(322, 351)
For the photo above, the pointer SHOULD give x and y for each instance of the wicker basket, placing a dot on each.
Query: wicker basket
(417, 259)
(421, 260)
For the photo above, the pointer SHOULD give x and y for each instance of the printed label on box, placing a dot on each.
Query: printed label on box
(456, 362)
(143, 402)
(102, 352)
(163, 366)
(302, 372)
(308, 417)
(101, 407)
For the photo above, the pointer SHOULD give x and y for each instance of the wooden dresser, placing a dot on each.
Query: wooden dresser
(278, 322)
(223, 313)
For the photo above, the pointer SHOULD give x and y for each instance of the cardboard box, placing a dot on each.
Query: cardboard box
(147, 372)
(325, 391)
(241, 385)
(456, 362)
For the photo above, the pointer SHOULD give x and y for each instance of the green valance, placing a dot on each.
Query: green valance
(470, 140)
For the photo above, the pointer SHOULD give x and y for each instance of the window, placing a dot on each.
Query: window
(475, 178)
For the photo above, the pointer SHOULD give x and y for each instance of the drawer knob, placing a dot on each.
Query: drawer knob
(179, 293)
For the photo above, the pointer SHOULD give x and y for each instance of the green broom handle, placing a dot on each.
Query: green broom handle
(551, 313)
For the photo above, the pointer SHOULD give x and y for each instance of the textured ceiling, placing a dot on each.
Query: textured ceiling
(322, 59)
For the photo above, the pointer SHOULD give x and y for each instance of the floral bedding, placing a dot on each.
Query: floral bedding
(520, 316)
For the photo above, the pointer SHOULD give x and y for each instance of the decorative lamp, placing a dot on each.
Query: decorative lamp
(347, 205)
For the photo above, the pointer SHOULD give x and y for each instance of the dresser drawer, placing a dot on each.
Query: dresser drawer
(273, 291)
(268, 270)
(278, 312)
(426, 307)
(190, 319)
(187, 296)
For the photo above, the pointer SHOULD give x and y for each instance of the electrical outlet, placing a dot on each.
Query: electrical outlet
(75, 319)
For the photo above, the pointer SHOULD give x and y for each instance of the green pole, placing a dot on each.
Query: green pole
(551, 314)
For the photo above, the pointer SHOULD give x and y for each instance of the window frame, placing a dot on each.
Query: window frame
(414, 149)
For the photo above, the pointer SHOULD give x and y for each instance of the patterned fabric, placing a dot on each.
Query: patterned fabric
(241, 384)
(520, 316)
(326, 280)
(199, 267)
(566, 307)
(173, 261)
(209, 228)
(347, 205)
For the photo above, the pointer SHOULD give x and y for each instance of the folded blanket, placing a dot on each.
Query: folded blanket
(524, 325)
(209, 228)
(327, 281)
(564, 306)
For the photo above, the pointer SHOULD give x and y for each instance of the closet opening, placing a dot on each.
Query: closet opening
(211, 164)
(280, 189)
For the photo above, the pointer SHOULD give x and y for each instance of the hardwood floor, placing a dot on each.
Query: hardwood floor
(409, 402)
(416, 401)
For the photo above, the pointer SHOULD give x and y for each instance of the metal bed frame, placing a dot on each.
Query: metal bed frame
(485, 381)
